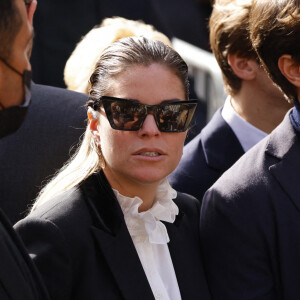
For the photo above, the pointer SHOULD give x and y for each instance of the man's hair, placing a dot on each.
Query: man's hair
(10, 24)
(274, 31)
(229, 34)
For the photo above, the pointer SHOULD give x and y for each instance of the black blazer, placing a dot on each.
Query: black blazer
(81, 245)
(54, 123)
(250, 223)
(19, 278)
(206, 157)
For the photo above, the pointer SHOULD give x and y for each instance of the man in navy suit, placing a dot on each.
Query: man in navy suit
(252, 110)
(250, 219)
(19, 278)
(54, 123)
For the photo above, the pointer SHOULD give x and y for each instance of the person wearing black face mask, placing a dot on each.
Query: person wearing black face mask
(54, 122)
(12, 117)
(19, 278)
(15, 69)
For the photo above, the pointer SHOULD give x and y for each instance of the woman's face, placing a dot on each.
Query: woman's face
(145, 156)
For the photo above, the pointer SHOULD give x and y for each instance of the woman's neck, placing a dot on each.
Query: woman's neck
(126, 187)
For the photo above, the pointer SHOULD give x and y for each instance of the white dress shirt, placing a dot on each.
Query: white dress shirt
(247, 134)
(150, 238)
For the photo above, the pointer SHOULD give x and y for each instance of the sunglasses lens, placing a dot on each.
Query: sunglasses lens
(125, 115)
(174, 117)
(129, 115)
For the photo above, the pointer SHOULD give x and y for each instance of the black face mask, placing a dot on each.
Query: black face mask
(11, 118)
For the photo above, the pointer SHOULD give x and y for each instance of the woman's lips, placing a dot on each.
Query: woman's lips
(151, 154)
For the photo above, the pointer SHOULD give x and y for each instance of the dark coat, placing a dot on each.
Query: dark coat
(54, 123)
(250, 223)
(19, 278)
(206, 158)
(81, 245)
(55, 41)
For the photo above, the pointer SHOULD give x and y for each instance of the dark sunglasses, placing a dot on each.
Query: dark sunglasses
(129, 115)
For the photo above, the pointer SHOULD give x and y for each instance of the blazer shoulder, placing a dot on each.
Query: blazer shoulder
(67, 208)
(54, 99)
(63, 108)
(253, 166)
(48, 91)
(62, 224)
(246, 181)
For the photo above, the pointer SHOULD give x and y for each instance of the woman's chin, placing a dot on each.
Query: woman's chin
(149, 177)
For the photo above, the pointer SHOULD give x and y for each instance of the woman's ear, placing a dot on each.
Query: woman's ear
(243, 67)
(290, 69)
(93, 122)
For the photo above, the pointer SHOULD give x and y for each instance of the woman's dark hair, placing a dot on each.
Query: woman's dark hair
(135, 51)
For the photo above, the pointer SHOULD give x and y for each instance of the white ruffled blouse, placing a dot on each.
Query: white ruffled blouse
(150, 238)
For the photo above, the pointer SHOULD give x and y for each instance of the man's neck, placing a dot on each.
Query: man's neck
(263, 110)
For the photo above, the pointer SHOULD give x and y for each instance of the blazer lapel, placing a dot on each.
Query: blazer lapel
(114, 241)
(284, 145)
(124, 263)
(217, 135)
(186, 257)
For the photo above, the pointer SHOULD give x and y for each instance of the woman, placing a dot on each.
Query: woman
(96, 230)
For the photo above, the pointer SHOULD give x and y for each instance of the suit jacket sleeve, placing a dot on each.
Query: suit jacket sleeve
(235, 246)
(47, 247)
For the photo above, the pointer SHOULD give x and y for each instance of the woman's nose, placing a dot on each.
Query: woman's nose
(149, 127)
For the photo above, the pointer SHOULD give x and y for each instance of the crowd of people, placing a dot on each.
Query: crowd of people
(107, 200)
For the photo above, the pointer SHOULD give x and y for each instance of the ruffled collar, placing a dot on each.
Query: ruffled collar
(148, 223)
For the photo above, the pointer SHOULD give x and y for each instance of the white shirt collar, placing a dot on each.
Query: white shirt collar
(247, 134)
(149, 222)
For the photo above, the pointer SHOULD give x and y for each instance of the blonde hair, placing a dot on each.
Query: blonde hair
(82, 61)
(115, 59)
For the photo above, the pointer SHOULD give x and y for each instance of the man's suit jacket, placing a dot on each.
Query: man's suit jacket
(206, 157)
(81, 245)
(54, 123)
(250, 223)
(19, 278)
